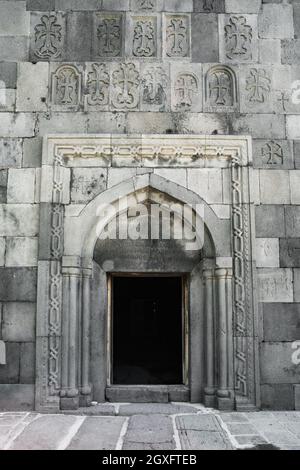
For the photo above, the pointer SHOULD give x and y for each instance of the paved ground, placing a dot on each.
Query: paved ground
(150, 426)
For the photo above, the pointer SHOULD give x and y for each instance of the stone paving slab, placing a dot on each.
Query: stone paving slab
(149, 432)
(201, 432)
(97, 434)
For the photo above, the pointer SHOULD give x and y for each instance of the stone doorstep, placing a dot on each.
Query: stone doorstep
(147, 394)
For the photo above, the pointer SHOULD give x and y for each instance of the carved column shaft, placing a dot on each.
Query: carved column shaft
(209, 391)
(85, 388)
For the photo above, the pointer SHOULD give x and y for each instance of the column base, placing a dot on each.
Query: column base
(69, 403)
(225, 404)
(85, 401)
(210, 398)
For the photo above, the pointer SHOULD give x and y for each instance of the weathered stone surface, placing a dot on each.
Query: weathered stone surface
(137, 394)
(275, 285)
(204, 32)
(201, 432)
(242, 6)
(14, 48)
(18, 220)
(21, 186)
(277, 397)
(290, 51)
(40, 5)
(277, 365)
(17, 124)
(9, 373)
(13, 394)
(267, 252)
(32, 98)
(63, 5)
(27, 363)
(269, 51)
(256, 83)
(297, 20)
(290, 253)
(293, 127)
(78, 45)
(178, 5)
(281, 321)
(270, 179)
(295, 186)
(276, 21)
(155, 430)
(32, 152)
(269, 221)
(14, 20)
(273, 154)
(8, 74)
(203, 6)
(3, 186)
(297, 154)
(18, 284)
(297, 397)
(91, 436)
(207, 183)
(186, 88)
(245, 26)
(2, 251)
(262, 126)
(297, 285)
(119, 5)
(18, 324)
(21, 251)
(87, 183)
(43, 47)
(11, 153)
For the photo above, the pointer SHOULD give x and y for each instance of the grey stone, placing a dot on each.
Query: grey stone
(18, 323)
(2, 253)
(87, 183)
(267, 252)
(251, 441)
(16, 397)
(297, 20)
(17, 124)
(178, 5)
(137, 394)
(290, 51)
(275, 285)
(281, 322)
(40, 5)
(31, 98)
(32, 152)
(14, 20)
(238, 429)
(269, 51)
(18, 284)
(205, 45)
(290, 253)
(297, 285)
(27, 363)
(230, 51)
(273, 154)
(295, 187)
(203, 440)
(277, 366)
(3, 186)
(19, 220)
(152, 430)
(292, 220)
(45, 432)
(270, 179)
(90, 436)
(293, 127)
(11, 153)
(21, 186)
(276, 21)
(62, 5)
(8, 74)
(186, 88)
(10, 372)
(242, 6)
(55, 48)
(14, 48)
(60, 123)
(120, 5)
(157, 408)
(297, 154)
(262, 126)
(198, 423)
(297, 397)
(203, 6)
(79, 36)
(270, 221)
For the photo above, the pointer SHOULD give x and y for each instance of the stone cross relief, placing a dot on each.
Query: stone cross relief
(258, 85)
(272, 152)
(146, 4)
(208, 5)
(66, 87)
(185, 87)
(238, 38)
(109, 35)
(144, 39)
(155, 82)
(177, 39)
(48, 37)
(126, 82)
(98, 85)
(220, 89)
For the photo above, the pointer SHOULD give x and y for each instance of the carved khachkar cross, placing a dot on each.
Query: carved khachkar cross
(273, 152)
(66, 92)
(185, 87)
(48, 37)
(177, 42)
(146, 4)
(208, 5)
(155, 82)
(238, 36)
(144, 39)
(258, 84)
(109, 35)
(126, 82)
(220, 89)
(98, 85)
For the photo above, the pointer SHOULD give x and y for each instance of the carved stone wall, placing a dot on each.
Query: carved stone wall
(135, 67)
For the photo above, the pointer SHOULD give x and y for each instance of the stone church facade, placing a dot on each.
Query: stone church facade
(108, 105)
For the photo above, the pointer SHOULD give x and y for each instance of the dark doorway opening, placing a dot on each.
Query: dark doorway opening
(147, 330)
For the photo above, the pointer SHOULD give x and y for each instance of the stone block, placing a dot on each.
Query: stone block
(16, 397)
(18, 284)
(114, 122)
(276, 21)
(14, 19)
(8, 74)
(271, 179)
(21, 186)
(79, 30)
(8, 100)
(11, 153)
(256, 85)
(119, 5)
(292, 220)
(270, 221)
(259, 126)
(212, 6)
(178, 5)
(9, 373)
(3, 186)
(186, 87)
(32, 152)
(275, 285)
(117, 175)
(100, 47)
(178, 176)
(87, 183)
(18, 220)
(269, 51)
(230, 51)
(277, 366)
(293, 127)
(137, 394)
(32, 98)
(41, 48)
(147, 5)
(290, 252)
(267, 252)
(242, 6)
(2, 251)
(297, 397)
(40, 5)
(281, 322)
(297, 20)
(61, 123)
(27, 363)
(18, 323)
(171, 49)
(21, 251)
(297, 154)
(277, 397)
(207, 183)
(134, 46)
(17, 124)
(14, 48)
(297, 285)
(290, 51)
(63, 5)
(155, 87)
(205, 44)
(295, 186)
(273, 154)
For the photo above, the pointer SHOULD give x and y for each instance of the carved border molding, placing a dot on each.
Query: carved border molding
(234, 152)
